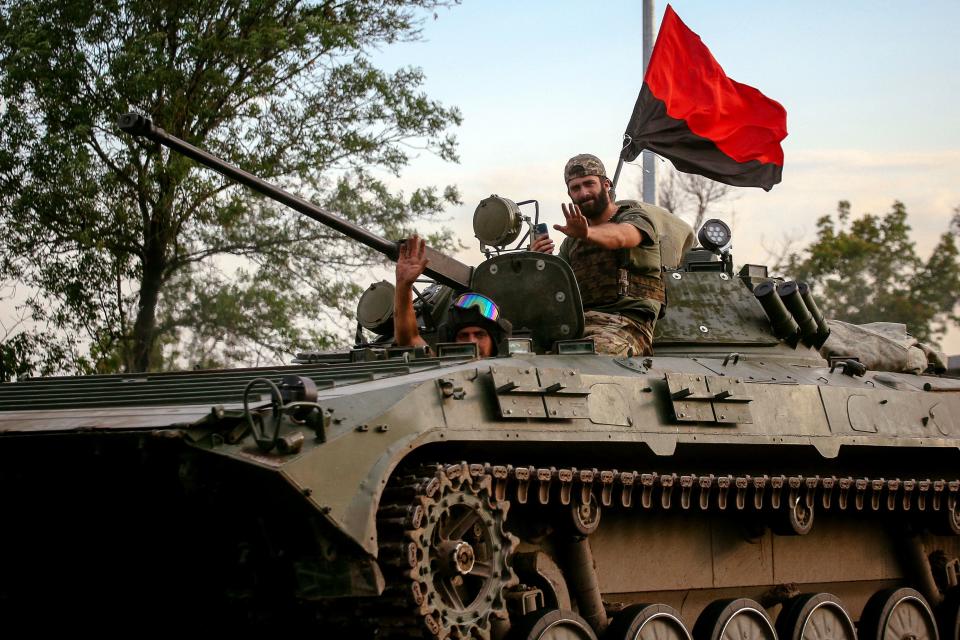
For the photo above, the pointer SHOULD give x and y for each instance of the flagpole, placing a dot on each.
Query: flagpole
(616, 174)
(649, 160)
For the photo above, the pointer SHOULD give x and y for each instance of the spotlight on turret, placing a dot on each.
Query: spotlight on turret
(714, 235)
(497, 221)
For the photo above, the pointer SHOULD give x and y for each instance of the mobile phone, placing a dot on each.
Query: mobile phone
(540, 231)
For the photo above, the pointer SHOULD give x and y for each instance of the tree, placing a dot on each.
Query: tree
(140, 253)
(31, 353)
(690, 194)
(867, 270)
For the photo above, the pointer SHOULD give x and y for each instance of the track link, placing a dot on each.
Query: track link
(714, 491)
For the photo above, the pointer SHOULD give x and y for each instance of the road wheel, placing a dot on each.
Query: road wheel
(552, 624)
(738, 619)
(815, 616)
(895, 614)
(647, 622)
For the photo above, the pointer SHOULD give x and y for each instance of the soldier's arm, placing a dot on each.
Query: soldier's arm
(615, 235)
(632, 229)
(410, 266)
(609, 235)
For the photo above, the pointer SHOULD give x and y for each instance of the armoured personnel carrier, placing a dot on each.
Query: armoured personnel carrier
(735, 485)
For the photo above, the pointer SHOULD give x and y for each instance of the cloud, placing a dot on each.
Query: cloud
(858, 158)
(815, 180)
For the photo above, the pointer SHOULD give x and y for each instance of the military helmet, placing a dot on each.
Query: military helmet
(477, 310)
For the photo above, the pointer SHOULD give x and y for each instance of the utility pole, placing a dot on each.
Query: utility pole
(649, 159)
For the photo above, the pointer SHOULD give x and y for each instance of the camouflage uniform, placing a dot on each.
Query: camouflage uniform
(622, 291)
(618, 335)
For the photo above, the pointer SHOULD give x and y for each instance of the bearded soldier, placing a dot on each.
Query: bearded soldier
(617, 251)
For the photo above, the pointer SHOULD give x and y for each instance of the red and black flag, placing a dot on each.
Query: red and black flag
(691, 113)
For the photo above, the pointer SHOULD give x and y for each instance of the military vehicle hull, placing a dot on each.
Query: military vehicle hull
(454, 497)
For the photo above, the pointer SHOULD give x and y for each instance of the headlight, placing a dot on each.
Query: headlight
(714, 235)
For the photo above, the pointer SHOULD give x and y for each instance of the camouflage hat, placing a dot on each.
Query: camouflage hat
(583, 164)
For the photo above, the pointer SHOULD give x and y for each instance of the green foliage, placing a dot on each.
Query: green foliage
(146, 258)
(867, 270)
(36, 353)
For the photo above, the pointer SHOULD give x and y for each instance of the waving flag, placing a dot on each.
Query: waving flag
(691, 113)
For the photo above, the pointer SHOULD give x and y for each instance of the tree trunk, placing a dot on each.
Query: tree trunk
(140, 353)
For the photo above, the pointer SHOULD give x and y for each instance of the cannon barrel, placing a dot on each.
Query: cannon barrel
(442, 268)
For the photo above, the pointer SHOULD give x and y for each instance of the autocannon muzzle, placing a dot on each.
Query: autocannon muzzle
(784, 326)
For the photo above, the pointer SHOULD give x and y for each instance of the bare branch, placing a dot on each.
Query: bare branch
(690, 196)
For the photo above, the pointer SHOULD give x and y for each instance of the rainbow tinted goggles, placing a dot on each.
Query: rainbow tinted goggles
(484, 305)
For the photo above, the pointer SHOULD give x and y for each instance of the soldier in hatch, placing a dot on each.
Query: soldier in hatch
(614, 249)
(472, 317)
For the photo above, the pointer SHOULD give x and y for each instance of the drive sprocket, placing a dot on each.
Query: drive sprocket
(454, 551)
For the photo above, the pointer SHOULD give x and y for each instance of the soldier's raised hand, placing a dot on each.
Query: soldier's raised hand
(412, 260)
(576, 226)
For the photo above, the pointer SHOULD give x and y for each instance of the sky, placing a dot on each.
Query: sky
(870, 90)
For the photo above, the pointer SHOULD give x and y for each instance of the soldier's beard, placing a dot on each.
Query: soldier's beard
(594, 207)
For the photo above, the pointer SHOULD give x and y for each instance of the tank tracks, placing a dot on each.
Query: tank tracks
(686, 491)
(429, 573)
